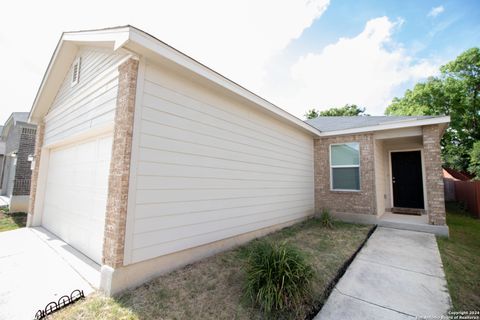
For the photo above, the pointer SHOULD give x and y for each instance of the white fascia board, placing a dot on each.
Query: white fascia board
(116, 36)
(165, 51)
(60, 62)
(388, 126)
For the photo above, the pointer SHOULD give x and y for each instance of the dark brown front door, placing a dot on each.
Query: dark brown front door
(407, 179)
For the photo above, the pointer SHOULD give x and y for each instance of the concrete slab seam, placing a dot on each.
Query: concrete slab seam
(374, 304)
(399, 268)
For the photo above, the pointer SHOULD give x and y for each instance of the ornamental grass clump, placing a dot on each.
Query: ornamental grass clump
(278, 276)
(326, 219)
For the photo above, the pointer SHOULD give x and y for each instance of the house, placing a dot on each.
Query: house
(147, 160)
(449, 177)
(2, 157)
(449, 173)
(18, 139)
(461, 186)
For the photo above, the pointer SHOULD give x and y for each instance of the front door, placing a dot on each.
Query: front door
(407, 179)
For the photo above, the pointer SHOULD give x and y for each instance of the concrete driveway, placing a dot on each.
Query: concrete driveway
(37, 268)
(397, 275)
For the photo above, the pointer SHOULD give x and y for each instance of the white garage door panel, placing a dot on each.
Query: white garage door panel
(76, 194)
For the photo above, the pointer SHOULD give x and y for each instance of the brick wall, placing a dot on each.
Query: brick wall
(37, 154)
(116, 215)
(362, 202)
(434, 174)
(23, 171)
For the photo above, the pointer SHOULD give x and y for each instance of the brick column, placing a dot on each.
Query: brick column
(34, 178)
(434, 175)
(117, 201)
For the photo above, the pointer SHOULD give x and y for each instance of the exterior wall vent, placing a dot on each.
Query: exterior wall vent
(76, 71)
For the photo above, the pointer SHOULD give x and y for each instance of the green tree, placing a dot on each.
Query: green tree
(474, 166)
(455, 93)
(347, 110)
(311, 114)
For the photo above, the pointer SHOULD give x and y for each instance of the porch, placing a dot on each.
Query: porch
(417, 223)
(408, 178)
(411, 222)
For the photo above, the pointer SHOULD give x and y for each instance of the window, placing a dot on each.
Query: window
(29, 131)
(76, 72)
(345, 166)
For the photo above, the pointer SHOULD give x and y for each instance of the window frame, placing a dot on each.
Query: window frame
(345, 166)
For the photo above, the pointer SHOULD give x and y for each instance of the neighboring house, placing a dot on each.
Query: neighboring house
(147, 160)
(2, 157)
(19, 138)
(449, 173)
(462, 187)
(449, 178)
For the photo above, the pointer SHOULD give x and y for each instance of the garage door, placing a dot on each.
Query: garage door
(76, 194)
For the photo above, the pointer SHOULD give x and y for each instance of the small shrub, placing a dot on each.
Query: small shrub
(278, 276)
(326, 219)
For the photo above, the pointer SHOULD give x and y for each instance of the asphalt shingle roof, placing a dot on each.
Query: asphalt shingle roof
(326, 124)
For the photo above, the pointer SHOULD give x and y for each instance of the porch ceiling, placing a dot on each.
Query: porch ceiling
(403, 143)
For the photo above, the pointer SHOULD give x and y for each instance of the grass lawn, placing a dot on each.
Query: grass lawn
(213, 288)
(11, 221)
(461, 258)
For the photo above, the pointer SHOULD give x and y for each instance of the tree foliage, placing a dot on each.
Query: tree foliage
(347, 110)
(474, 166)
(456, 92)
(312, 113)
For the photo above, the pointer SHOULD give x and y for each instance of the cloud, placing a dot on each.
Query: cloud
(246, 34)
(363, 70)
(436, 11)
(236, 38)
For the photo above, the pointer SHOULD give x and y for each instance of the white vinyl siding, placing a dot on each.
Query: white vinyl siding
(11, 175)
(91, 102)
(212, 167)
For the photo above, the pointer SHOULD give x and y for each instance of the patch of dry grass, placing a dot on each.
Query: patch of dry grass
(213, 287)
(96, 307)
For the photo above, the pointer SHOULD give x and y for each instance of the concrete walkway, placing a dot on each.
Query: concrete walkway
(397, 275)
(35, 268)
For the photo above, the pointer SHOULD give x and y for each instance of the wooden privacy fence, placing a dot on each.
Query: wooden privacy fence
(468, 192)
(449, 188)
